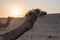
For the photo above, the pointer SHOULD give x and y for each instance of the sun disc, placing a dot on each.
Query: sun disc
(16, 12)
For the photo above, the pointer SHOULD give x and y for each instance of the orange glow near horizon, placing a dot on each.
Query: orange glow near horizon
(12, 10)
(17, 12)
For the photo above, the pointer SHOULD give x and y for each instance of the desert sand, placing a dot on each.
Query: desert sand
(46, 27)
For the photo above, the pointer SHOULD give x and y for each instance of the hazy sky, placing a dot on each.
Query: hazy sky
(51, 6)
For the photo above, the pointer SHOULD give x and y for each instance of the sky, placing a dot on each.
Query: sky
(6, 6)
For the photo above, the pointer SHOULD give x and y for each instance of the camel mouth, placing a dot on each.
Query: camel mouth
(43, 13)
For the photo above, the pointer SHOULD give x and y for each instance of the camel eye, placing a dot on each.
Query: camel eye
(30, 14)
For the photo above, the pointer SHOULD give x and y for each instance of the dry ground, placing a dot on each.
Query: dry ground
(46, 28)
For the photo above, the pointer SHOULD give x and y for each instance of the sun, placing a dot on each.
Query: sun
(16, 12)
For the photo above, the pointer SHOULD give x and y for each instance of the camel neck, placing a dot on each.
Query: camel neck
(8, 22)
(14, 34)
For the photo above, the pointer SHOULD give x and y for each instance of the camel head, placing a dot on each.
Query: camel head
(9, 19)
(33, 13)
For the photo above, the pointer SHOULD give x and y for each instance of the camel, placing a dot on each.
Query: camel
(31, 18)
(2, 26)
